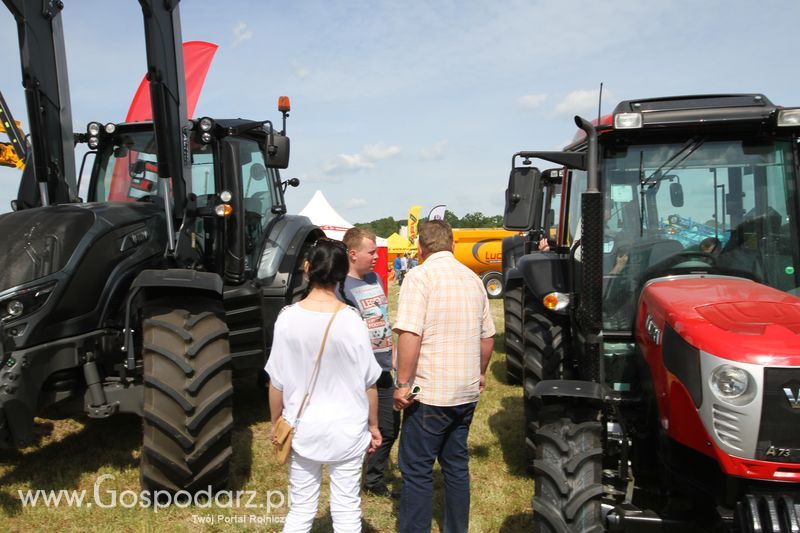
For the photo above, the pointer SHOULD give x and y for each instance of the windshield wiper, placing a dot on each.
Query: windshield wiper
(659, 174)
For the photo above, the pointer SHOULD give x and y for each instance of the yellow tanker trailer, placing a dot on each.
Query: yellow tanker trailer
(481, 250)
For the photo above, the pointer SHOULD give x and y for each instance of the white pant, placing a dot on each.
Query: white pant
(305, 480)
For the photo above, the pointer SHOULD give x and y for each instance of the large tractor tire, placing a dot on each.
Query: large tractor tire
(512, 309)
(544, 342)
(568, 471)
(188, 413)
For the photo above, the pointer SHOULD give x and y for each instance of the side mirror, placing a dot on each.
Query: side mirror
(676, 194)
(278, 153)
(523, 199)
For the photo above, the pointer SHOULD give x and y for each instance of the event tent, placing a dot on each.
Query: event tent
(322, 214)
(399, 245)
(325, 216)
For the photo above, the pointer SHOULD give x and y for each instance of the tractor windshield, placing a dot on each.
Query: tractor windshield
(130, 172)
(696, 204)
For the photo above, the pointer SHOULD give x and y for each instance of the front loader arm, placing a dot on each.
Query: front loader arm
(44, 77)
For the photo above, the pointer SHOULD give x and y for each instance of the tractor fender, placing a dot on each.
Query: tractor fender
(511, 274)
(181, 279)
(545, 272)
(282, 248)
(570, 388)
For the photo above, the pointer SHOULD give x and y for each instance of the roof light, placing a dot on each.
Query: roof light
(94, 128)
(206, 124)
(205, 137)
(627, 121)
(789, 117)
(556, 301)
(225, 196)
(283, 104)
(93, 142)
(111, 128)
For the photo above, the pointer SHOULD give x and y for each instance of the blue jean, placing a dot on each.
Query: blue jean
(429, 433)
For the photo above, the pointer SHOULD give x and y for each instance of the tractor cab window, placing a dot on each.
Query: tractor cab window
(699, 204)
(128, 170)
(258, 190)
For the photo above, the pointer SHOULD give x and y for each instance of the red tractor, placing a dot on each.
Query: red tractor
(661, 341)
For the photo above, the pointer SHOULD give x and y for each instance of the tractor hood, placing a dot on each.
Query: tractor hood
(732, 318)
(41, 241)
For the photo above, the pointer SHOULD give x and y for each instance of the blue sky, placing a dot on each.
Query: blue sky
(414, 102)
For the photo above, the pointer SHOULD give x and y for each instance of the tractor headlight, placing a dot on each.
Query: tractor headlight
(110, 128)
(15, 308)
(732, 384)
(25, 302)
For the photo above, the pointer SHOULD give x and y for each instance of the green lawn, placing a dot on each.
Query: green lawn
(73, 454)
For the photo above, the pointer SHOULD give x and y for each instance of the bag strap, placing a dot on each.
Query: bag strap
(315, 372)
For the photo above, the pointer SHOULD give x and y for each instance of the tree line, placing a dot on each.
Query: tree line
(383, 227)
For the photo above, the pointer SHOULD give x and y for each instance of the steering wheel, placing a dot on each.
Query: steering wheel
(684, 257)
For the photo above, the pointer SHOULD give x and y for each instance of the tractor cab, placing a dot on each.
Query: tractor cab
(235, 185)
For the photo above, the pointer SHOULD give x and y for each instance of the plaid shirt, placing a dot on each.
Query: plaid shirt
(445, 303)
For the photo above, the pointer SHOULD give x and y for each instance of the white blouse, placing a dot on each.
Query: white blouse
(334, 423)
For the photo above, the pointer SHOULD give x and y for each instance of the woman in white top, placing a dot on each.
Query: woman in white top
(339, 422)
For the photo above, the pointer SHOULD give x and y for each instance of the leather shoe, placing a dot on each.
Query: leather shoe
(382, 491)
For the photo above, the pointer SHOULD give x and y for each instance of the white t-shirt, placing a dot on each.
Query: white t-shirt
(334, 424)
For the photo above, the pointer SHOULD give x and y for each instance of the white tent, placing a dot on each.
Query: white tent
(321, 213)
(325, 216)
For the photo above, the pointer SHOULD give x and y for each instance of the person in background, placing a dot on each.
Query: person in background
(403, 267)
(398, 273)
(445, 341)
(711, 245)
(363, 290)
(340, 420)
(413, 262)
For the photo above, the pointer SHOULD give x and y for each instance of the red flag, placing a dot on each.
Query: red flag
(197, 56)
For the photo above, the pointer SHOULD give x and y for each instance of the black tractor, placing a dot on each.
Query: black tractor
(147, 296)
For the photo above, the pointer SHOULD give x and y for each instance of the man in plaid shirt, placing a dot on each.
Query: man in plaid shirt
(445, 340)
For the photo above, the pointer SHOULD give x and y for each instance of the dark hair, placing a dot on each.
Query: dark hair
(328, 264)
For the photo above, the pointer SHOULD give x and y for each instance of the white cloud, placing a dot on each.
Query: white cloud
(435, 152)
(377, 152)
(369, 155)
(301, 71)
(241, 34)
(530, 102)
(354, 203)
(581, 101)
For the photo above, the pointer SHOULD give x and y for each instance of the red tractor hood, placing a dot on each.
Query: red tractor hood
(732, 318)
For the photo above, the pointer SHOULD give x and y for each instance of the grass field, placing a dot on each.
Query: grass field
(75, 454)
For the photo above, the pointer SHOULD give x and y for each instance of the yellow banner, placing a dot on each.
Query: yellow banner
(413, 220)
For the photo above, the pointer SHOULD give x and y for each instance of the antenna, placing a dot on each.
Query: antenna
(600, 103)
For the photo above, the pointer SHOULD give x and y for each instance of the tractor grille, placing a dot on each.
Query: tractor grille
(778, 438)
(728, 425)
